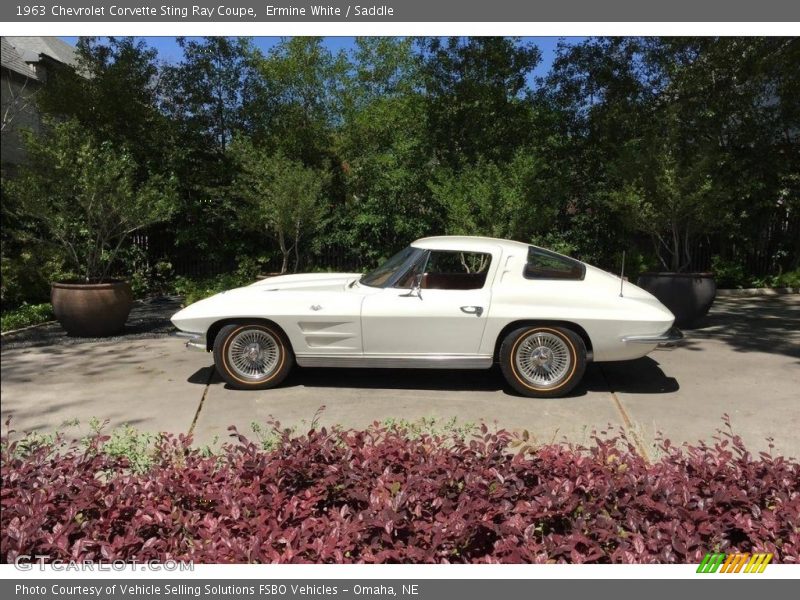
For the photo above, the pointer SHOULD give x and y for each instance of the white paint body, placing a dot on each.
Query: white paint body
(331, 319)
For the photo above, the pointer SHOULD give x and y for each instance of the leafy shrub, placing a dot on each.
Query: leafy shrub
(152, 280)
(430, 426)
(194, 289)
(790, 279)
(379, 496)
(25, 315)
(729, 273)
(732, 274)
(86, 195)
(28, 272)
(125, 441)
(269, 438)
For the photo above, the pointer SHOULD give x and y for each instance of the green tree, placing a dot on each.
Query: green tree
(384, 152)
(87, 197)
(672, 197)
(497, 200)
(476, 91)
(589, 121)
(113, 92)
(281, 196)
(294, 104)
(736, 101)
(713, 120)
(205, 92)
(204, 97)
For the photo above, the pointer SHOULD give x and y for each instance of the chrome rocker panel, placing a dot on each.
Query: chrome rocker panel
(665, 340)
(196, 341)
(442, 361)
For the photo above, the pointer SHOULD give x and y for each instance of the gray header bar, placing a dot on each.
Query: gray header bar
(732, 588)
(399, 11)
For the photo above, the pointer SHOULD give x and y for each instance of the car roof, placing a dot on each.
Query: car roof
(468, 242)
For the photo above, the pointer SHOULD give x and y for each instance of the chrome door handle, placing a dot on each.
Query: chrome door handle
(472, 310)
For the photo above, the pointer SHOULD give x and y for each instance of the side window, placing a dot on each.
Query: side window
(414, 271)
(543, 264)
(453, 270)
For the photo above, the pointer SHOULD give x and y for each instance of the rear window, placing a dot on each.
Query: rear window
(543, 264)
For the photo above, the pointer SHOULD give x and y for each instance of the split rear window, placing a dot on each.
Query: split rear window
(543, 264)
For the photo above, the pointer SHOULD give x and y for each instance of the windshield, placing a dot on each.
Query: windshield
(388, 273)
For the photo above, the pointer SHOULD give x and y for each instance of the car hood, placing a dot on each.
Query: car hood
(306, 281)
(250, 301)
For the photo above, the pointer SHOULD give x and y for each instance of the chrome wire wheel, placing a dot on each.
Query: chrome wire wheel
(543, 359)
(253, 354)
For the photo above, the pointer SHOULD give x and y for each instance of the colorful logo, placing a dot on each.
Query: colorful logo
(735, 563)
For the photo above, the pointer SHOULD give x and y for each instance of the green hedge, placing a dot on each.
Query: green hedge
(25, 315)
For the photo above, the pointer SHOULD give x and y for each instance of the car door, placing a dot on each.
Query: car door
(445, 316)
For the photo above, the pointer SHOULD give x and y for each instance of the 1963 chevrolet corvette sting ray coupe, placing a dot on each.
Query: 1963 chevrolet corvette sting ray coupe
(443, 302)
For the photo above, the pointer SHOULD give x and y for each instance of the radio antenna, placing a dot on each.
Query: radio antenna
(622, 274)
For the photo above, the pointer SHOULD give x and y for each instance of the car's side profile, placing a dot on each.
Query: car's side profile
(443, 302)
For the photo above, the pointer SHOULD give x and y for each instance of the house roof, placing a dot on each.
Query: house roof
(20, 53)
(12, 60)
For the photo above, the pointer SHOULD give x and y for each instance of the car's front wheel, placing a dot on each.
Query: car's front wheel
(252, 356)
(543, 361)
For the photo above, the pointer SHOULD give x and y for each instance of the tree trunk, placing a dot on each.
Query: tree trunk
(687, 253)
(296, 245)
(284, 251)
(676, 249)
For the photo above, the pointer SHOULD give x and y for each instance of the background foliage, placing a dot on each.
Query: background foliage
(681, 151)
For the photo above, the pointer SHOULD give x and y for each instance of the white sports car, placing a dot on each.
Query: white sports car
(443, 302)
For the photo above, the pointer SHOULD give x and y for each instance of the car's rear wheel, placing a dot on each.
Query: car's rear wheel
(543, 361)
(252, 356)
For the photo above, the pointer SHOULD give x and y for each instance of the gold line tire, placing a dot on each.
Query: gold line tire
(252, 356)
(543, 361)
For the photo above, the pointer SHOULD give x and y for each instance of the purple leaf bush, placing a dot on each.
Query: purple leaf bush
(381, 496)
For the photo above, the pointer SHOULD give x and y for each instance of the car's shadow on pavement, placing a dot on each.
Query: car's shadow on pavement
(642, 376)
(204, 376)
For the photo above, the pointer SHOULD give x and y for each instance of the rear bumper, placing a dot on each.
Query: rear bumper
(194, 341)
(667, 339)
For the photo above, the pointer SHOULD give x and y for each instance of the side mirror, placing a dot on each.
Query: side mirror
(416, 288)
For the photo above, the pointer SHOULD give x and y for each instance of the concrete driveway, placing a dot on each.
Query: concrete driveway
(743, 360)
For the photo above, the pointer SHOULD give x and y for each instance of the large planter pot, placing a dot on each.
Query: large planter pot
(92, 309)
(687, 295)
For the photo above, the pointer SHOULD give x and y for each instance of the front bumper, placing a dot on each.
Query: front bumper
(665, 340)
(194, 341)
